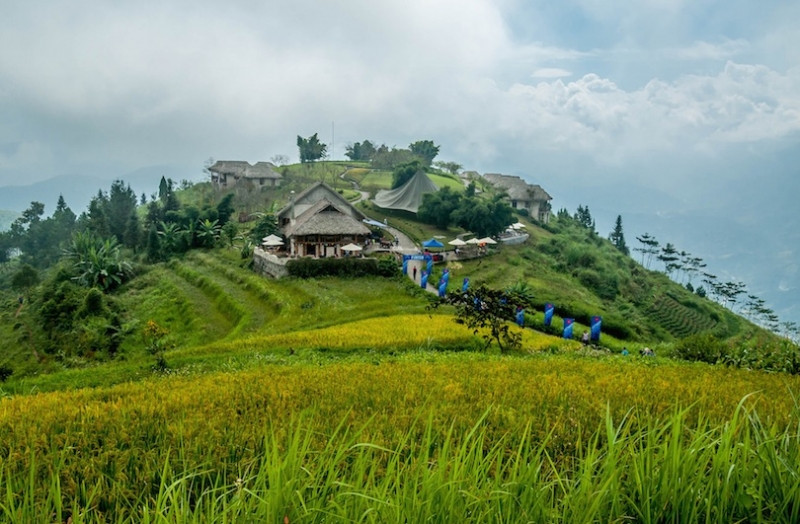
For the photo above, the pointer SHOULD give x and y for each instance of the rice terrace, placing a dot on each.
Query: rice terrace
(287, 343)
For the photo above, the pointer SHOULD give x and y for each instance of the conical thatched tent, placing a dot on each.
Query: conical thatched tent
(407, 197)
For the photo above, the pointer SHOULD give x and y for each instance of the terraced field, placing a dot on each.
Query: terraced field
(204, 297)
(677, 319)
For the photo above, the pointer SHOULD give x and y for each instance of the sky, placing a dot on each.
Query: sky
(687, 99)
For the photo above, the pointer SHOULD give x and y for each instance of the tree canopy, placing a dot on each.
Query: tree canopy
(311, 149)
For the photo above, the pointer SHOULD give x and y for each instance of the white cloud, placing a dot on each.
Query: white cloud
(551, 72)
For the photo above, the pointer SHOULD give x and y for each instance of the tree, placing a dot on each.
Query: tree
(385, 158)
(437, 208)
(617, 237)
(123, 222)
(480, 308)
(208, 232)
(451, 167)
(669, 256)
(360, 151)
(98, 261)
(311, 149)
(424, 149)
(649, 248)
(266, 225)
(584, 217)
(482, 216)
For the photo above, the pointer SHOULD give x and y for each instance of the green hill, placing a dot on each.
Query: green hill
(207, 298)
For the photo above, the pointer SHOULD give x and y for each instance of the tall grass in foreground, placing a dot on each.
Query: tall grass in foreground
(634, 469)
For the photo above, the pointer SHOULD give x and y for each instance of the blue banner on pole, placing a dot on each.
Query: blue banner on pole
(423, 282)
(549, 309)
(442, 288)
(446, 276)
(405, 266)
(597, 323)
(465, 285)
(429, 261)
(520, 317)
(568, 327)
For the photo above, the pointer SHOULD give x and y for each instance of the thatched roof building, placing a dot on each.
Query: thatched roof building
(522, 195)
(319, 221)
(227, 173)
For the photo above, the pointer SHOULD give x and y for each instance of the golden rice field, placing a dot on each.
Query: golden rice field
(178, 449)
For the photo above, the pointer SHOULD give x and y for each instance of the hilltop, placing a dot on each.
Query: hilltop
(209, 299)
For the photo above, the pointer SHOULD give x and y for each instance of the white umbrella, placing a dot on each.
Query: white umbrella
(273, 242)
(351, 247)
(457, 242)
(518, 225)
(473, 241)
(487, 240)
(272, 238)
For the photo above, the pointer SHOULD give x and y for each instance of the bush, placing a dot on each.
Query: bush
(341, 267)
(703, 347)
(5, 372)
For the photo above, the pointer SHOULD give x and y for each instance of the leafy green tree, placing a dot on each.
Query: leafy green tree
(169, 238)
(484, 217)
(481, 308)
(225, 209)
(617, 237)
(208, 232)
(404, 172)
(123, 222)
(229, 232)
(451, 167)
(437, 208)
(385, 158)
(311, 149)
(426, 150)
(360, 151)
(267, 225)
(98, 262)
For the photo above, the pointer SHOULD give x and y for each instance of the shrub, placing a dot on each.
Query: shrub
(341, 267)
(702, 347)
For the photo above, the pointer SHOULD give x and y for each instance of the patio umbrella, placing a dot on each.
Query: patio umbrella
(518, 225)
(432, 243)
(457, 242)
(351, 247)
(273, 242)
(473, 241)
(487, 240)
(271, 238)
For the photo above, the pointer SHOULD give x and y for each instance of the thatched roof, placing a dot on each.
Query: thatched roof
(241, 169)
(317, 192)
(326, 218)
(517, 188)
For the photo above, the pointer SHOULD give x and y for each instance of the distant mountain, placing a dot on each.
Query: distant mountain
(78, 190)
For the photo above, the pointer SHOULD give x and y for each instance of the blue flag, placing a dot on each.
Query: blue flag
(429, 260)
(521, 317)
(423, 282)
(597, 322)
(405, 266)
(465, 285)
(443, 288)
(549, 309)
(446, 276)
(568, 327)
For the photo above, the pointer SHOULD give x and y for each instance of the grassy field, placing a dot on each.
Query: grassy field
(417, 436)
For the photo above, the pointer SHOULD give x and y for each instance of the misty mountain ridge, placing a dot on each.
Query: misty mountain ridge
(78, 190)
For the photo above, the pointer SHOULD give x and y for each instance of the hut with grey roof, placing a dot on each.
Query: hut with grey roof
(227, 173)
(522, 195)
(319, 222)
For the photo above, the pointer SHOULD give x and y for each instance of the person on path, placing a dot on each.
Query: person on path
(414, 272)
